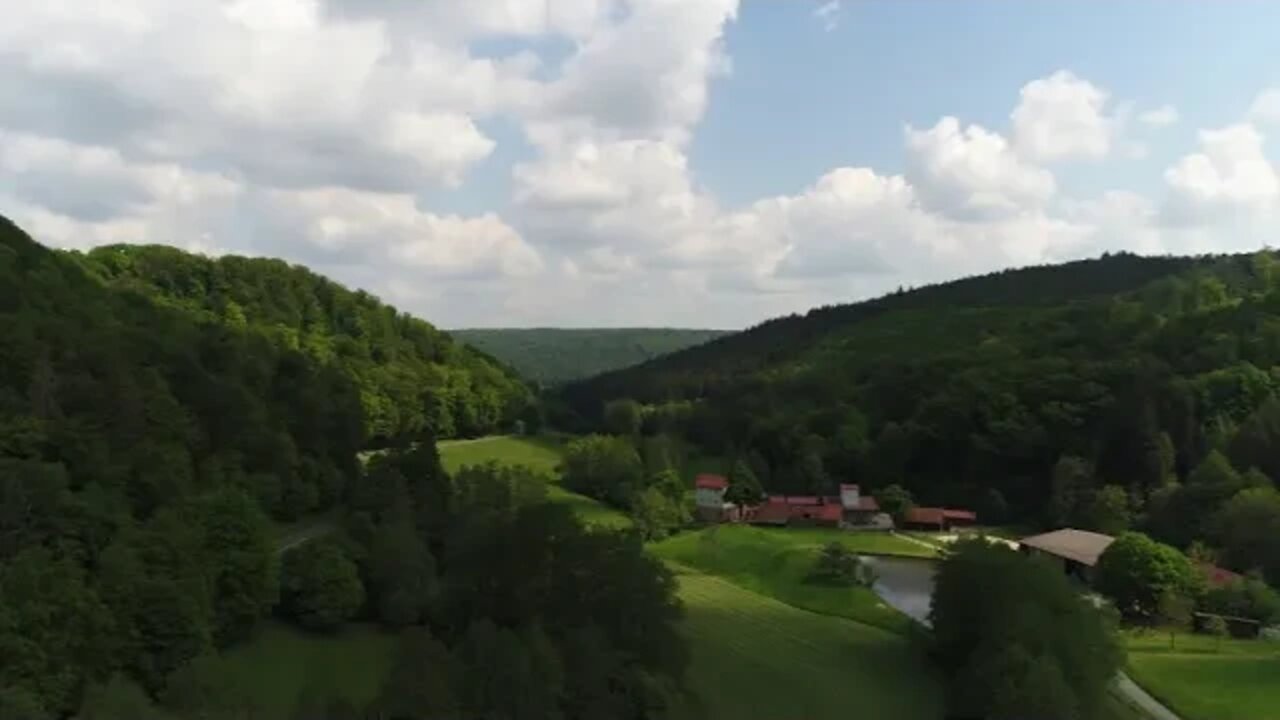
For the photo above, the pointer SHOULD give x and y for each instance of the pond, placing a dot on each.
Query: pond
(906, 584)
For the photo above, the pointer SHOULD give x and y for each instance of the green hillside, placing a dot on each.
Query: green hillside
(971, 392)
(556, 355)
(411, 376)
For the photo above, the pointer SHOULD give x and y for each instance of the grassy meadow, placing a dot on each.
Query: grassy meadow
(541, 453)
(1202, 678)
(282, 662)
(755, 658)
(775, 562)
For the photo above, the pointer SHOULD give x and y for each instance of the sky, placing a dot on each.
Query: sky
(611, 163)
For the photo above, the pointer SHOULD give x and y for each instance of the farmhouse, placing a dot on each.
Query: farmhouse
(709, 499)
(1078, 550)
(796, 510)
(859, 509)
(936, 518)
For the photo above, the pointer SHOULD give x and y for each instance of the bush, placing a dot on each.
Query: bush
(1136, 571)
(840, 566)
(321, 585)
(1248, 598)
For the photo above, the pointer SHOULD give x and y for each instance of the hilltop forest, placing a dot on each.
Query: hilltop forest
(552, 356)
(1104, 393)
(163, 418)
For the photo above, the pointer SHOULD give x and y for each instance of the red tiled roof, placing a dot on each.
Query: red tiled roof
(833, 513)
(950, 514)
(711, 482)
(772, 513)
(925, 515)
(803, 500)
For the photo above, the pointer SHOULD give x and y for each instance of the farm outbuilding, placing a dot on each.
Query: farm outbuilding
(1078, 550)
(936, 518)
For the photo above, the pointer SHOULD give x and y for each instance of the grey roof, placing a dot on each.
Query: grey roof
(1081, 546)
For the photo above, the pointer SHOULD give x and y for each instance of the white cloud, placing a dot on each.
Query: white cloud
(1060, 117)
(972, 173)
(1266, 107)
(828, 14)
(1230, 173)
(1162, 116)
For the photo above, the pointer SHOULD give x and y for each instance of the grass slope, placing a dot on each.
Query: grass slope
(555, 355)
(1240, 680)
(755, 658)
(775, 563)
(282, 662)
(542, 454)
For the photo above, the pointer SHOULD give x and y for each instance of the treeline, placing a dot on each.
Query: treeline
(1075, 394)
(145, 450)
(410, 376)
(556, 355)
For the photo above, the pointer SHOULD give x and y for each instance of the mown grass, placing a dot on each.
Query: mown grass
(282, 662)
(755, 658)
(777, 562)
(542, 454)
(1202, 678)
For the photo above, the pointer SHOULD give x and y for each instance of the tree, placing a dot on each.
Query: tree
(656, 515)
(422, 683)
(321, 585)
(1108, 511)
(894, 500)
(239, 561)
(1072, 477)
(839, 566)
(623, 417)
(1174, 612)
(1136, 571)
(1247, 528)
(1257, 441)
(402, 573)
(744, 487)
(117, 699)
(1016, 639)
(1248, 597)
(605, 468)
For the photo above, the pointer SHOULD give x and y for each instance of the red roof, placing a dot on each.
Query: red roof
(772, 513)
(868, 503)
(803, 500)
(924, 516)
(1217, 576)
(844, 487)
(833, 513)
(950, 514)
(711, 482)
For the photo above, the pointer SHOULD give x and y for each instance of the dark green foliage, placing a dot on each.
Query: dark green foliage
(605, 468)
(555, 355)
(1016, 639)
(1129, 370)
(1248, 597)
(1108, 511)
(744, 487)
(422, 682)
(623, 417)
(402, 573)
(894, 500)
(320, 585)
(1247, 528)
(1135, 572)
(118, 699)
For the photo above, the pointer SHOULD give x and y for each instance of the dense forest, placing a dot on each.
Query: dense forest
(148, 449)
(410, 376)
(556, 355)
(1116, 392)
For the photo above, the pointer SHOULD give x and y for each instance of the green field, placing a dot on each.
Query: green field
(774, 562)
(542, 454)
(755, 658)
(1202, 680)
(282, 662)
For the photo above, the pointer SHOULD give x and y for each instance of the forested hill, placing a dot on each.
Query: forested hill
(1130, 369)
(410, 375)
(557, 355)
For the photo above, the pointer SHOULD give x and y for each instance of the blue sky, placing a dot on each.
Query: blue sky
(655, 162)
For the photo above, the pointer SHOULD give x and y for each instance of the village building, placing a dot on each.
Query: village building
(936, 518)
(709, 499)
(859, 510)
(1077, 550)
(797, 510)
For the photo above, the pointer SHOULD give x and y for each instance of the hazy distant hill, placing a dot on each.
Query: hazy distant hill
(556, 355)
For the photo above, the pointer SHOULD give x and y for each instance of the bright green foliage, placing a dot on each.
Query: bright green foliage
(411, 377)
(1174, 611)
(556, 355)
(1247, 528)
(1135, 572)
(744, 487)
(1016, 639)
(1207, 677)
(321, 586)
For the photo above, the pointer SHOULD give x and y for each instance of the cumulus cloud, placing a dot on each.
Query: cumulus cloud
(326, 132)
(1062, 116)
(1229, 174)
(828, 14)
(1266, 107)
(1162, 116)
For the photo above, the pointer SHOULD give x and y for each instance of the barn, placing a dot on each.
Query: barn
(1077, 550)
